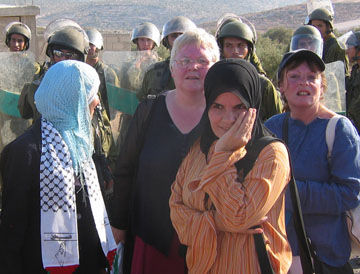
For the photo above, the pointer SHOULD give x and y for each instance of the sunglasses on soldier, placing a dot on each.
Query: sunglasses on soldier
(67, 55)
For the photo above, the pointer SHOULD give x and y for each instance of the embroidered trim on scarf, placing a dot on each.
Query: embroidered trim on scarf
(59, 235)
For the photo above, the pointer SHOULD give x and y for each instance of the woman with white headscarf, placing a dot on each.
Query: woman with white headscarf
(53, 216)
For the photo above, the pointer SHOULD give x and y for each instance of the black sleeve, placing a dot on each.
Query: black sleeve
(19, 164)
(126, 166)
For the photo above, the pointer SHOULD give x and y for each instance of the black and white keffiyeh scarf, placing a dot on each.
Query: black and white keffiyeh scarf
(59, 235)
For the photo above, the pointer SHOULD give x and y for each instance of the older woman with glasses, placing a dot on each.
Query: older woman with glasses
(327, 177)
(159, 137)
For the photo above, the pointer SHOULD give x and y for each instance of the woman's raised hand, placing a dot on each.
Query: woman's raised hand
(239, 134)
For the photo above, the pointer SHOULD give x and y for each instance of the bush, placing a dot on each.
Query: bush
(270, 53)
(281, 35)
(163, 52)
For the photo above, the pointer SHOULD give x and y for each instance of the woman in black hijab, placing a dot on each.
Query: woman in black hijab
(226, 184)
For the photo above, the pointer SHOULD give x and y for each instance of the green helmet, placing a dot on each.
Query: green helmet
(69, 38)
(223, 20)
(238, 30)
(307, 37)
(322, 14)
(18, 28)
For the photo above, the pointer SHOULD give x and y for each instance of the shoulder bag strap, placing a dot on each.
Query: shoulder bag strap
(330, 134)
(246, 165)
(306, 252)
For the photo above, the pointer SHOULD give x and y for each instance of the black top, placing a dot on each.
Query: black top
(163, 151)
(20, 244)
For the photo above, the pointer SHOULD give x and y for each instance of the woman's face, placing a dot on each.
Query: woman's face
(189, 68)
(302, 87)
(224, 111)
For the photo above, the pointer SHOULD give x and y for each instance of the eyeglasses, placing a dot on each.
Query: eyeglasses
(67, 55)
(185, 62)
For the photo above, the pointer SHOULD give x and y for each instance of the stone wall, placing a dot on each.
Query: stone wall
(113, 41)
(24, 14)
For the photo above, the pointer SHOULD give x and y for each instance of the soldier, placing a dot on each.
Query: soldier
(353, 82)
(18, 36)
(307, 37)
(146, 36)
(322, 19)
(228, 18)
(236, 40)
(158, 78)
(67, 43)
(17, 39)
(106, 74)
(105, 150)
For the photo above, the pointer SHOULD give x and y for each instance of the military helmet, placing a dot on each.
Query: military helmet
(71, 38)
(147, 30)
(223, 20)
(177, 24)
(218, 30)
(307, 37)
(95, 38)
(238, 30)
(18, 28)
(322, 14)
(353, 40)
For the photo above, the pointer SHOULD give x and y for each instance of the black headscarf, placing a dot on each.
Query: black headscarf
(241, 78)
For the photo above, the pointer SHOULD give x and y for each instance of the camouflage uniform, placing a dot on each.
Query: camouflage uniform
(26, 104)
(106, 74)
(271, 102)
(132, 76)
(333, 52)
(254, 59)
(353, 96)
(157, 79)
(331, 49)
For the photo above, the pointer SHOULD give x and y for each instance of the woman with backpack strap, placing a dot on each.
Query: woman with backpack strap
(326, 189)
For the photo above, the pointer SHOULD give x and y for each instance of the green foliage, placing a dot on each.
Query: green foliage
(338, 33)
(163, 52)
(270, 53)
(280, 34)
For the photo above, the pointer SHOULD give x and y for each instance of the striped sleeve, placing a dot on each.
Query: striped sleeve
(240, 206)
(195, 227)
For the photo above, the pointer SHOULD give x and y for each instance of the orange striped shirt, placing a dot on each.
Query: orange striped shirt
(215, 233)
